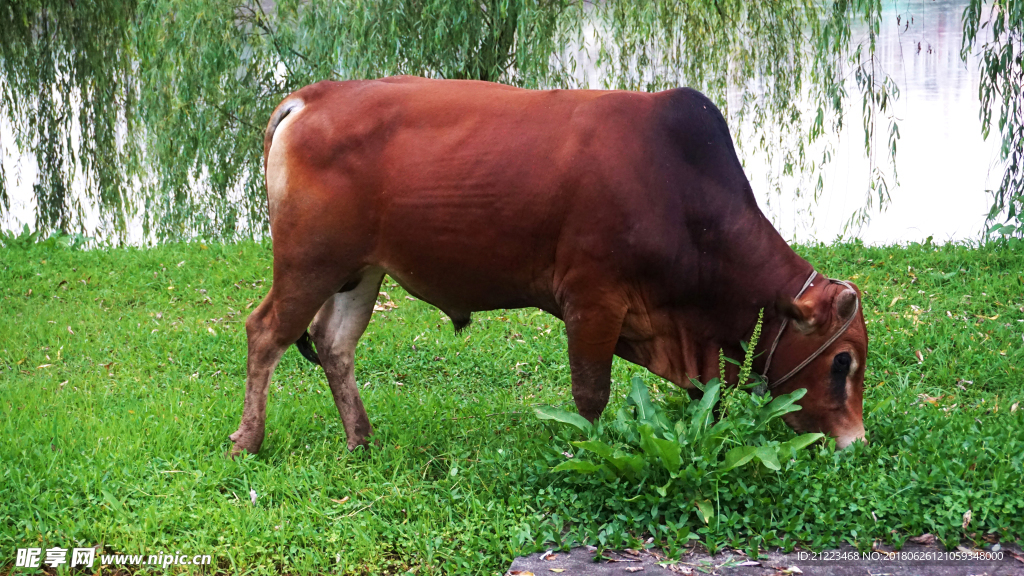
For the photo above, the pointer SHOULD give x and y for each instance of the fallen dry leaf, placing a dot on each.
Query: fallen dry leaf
(925, 539)
(634, 568)
(520, 573)
(70, 330)
(967, 519)
(388, 304)
(630, 551)
(1014, 407)
(557, 570)
(793, 570)
(548, 556)
(749, 563)
(342, 501)
(933, 400)
(920, 357)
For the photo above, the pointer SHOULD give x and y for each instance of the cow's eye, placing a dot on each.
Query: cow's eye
(841, 363)
(840, 370)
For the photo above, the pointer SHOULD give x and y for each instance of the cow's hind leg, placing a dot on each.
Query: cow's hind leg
(273, 326)
(336, 330)
(593, 331)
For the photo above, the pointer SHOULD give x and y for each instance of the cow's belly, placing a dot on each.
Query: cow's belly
(464, 260)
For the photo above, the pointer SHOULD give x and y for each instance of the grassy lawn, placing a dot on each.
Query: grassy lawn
(122, 373)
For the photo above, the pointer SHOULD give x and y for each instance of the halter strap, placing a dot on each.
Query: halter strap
(821, 349)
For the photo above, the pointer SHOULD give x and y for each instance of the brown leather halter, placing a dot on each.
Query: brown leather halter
(818, 352)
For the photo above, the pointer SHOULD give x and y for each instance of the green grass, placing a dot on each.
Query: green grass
(122, 373)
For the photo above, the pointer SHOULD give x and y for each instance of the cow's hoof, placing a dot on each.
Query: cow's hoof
(238, 448)
(355, 443)
(246, 440)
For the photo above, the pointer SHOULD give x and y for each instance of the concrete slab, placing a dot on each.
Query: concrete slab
(912, 560)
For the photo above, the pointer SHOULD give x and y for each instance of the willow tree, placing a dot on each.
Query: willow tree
(998, 30)
(68, 92)
(157, 107)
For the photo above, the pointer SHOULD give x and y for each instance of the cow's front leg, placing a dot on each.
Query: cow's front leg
(336, 331)
(593, 332)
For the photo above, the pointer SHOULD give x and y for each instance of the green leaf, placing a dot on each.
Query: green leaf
(880, 405)
(768, 457)
(705, 509)
(621, 462)
(667, 451)
(625, 425)
(596, 446)
(738, 456)
(714, 437)
(114, 502)
(790, 447)
(579, 466)
(629, 464)
(647, 441)
(559, 415)
(777, 407)
(701, 412)
(680, 431)
(640, 398)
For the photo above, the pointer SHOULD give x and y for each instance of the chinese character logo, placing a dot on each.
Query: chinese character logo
(28, 557)
(83, 556)
(56, 556)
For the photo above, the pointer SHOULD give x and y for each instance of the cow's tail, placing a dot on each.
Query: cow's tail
(305, 346)
(283, 109)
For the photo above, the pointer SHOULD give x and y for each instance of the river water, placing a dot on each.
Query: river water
(944, 165)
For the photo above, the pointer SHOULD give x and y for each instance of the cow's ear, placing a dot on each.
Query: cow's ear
(846, 303)
(799, 312)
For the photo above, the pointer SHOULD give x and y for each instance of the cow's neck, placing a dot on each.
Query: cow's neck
(764, 268)
(737, 278)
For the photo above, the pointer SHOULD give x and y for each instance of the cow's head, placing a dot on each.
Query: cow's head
(834, 379)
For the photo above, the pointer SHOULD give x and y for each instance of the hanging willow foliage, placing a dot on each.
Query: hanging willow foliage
(1002, 78)
(157, 107)
(68, 92)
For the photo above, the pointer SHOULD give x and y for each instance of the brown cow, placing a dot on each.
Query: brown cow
(627, 215)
